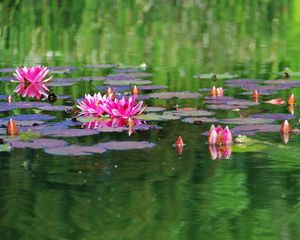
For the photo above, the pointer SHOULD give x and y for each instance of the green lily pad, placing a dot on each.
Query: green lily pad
(5, 148)
(242, 148)
(158, 117)
(29, 135)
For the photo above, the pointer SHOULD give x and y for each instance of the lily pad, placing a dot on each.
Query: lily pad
(53, 108)
(127, 82)
(191, 113)
(27, 118)
(252, 129)
(200, 120)
(154, 109)
(5, 148)
(225, 107)
(261, 92)
(275, 116)
(126, 145)
(247, 121)
(74, 150)
(6, 106)
(158, 117)
(40, 143)
(67, 132)
(169, 95)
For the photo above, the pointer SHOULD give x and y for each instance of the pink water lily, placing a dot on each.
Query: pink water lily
(91, 105)
(219, 136)
(124, 107)
(32, 81)
(32, 74)
(98, 105)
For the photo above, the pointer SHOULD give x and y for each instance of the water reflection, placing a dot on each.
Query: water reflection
(219, 152)
(36, 90)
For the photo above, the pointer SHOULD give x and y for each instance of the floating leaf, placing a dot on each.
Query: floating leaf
(243, 148)
(6, 106)
(40, 143)
(127, 82)
(199, 120)
(5, 148)
(261, 92)
(276, 116)
(27, 118)
(29, 135)
(126, 145)
(169, 95)
(252, 129)
(73, 150)
(246, 121)
(225, 107)
(154, 109)
(191, 113)
(67, 132)
(158, 117)
(53, 108)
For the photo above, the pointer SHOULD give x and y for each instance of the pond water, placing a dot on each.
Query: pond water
(152, 190)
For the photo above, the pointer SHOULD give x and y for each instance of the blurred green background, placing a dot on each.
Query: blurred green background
(153, 194)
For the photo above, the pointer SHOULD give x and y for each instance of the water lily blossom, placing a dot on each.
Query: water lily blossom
(32, 74)
(219, 136)
(285, 127)
(124, 107)
(98, 105)
(32, 81)
(91, 105)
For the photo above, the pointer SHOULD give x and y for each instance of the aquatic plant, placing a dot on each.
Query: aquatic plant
(32, 81)
(32, 74)
(91, 105)
(219, 136)
(99, 105)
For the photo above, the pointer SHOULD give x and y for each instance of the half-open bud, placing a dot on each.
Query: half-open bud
(179, 141)
(285, 127)
(213, 91)
(291, 100)
(255, 94)
(11, 128)
(134, 90)
(9, 98)
(227, 136)
(212, 136)
(108, 92)
(220, 92)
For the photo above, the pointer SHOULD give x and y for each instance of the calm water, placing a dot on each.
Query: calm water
(154, 193)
